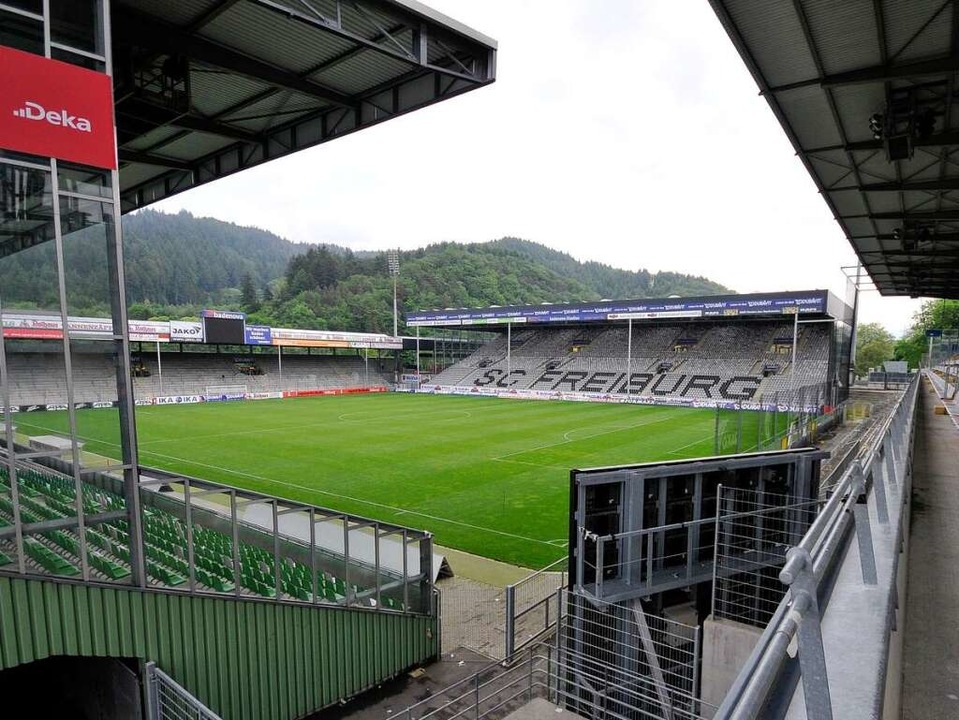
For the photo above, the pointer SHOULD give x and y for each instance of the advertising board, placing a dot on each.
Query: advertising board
(55, 109)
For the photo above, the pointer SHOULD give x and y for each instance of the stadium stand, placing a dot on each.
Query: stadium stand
(193, 373)
(47, 495)
(731, 361)
(40, 378)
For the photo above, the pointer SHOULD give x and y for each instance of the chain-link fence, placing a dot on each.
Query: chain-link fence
(754, 530)
(473, 616)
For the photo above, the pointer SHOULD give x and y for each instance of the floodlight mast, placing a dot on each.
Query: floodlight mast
(393, 264)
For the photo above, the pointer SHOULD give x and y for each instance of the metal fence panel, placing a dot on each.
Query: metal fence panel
(754, 531)
(598, 665)
(531, 607)
(168, 700)
(625, 656)
(473, 616)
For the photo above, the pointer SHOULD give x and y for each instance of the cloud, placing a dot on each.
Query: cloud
(623, 132)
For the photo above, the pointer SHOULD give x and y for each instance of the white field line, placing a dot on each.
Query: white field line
(567, 440)
(695, 442)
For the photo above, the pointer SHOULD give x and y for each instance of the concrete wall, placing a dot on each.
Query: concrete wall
(726, 647)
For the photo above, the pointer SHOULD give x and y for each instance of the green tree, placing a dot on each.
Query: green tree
(248, 297)
(874, 344)
(934, 315)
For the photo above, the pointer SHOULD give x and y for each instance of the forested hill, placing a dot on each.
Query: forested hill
(178, 264)
(610, 282)
(181, 259)
(335, 289)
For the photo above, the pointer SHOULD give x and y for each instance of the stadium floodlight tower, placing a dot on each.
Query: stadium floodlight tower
(393, 263)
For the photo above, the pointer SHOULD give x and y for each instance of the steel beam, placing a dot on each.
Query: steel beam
(149, 32)
(937, 140)
(921, 215)
(66, 523)
(145, 158)
(940, 184)
(877, 73)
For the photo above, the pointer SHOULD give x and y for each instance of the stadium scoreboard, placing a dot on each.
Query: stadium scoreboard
(224, 327)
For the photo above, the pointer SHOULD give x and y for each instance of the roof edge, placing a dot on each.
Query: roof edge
(428, 13)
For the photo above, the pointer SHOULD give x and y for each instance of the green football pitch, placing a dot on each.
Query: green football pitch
(486, 475)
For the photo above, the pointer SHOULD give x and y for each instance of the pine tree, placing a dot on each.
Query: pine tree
(251, 302)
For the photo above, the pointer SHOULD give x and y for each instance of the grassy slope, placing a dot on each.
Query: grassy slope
(488, 476)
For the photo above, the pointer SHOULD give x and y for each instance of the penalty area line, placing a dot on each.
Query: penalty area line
(688, 445)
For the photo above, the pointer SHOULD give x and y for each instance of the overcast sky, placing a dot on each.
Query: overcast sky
(620, 131)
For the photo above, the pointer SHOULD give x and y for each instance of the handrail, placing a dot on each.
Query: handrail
(807, 564)
(168, 700)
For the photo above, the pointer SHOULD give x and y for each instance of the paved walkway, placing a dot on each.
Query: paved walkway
(931, 644)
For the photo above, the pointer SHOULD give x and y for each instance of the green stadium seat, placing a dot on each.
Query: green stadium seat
(47, 559)
(48, 496)
(108, 567)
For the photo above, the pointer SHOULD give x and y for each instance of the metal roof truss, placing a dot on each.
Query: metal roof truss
(866, 91)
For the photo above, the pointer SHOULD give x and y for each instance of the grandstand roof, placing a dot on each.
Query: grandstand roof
(819, 303)
(827, 68)
(206, 88)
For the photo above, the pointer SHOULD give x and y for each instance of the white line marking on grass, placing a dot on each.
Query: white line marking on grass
(371, 503)
(372, 416)
(211, 436)
(695, 442)
(566, 440)
(531, 464)
(280, 428)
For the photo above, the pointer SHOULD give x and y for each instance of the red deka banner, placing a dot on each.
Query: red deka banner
(55, 109)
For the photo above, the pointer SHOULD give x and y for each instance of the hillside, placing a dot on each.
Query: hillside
(326, 288)
(170, 260)
(177, 264)
(609, 281)
(182, 259)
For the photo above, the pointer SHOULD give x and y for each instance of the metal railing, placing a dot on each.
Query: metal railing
(617, 640)
(166, 699)
(200, 536)
(753, 533)
(531, 605)
(866, 508)
(615, 684)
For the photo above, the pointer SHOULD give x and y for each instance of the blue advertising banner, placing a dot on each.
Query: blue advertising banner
(259, 335)
(805, 302)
